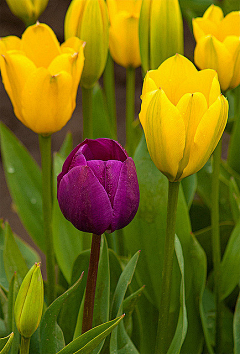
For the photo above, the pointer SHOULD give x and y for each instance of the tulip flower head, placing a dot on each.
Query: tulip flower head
(98, 187)
(123, 32)
(27, 10)
(183, 115)
(218, 45)
(41, 77)
(88, 20)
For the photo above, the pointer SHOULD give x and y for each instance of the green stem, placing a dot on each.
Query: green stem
(130, 109)
(25, 343)
(216, 246)
(109, 88)
(87, 113)
(46, 158)
(163, 330)
(91, 284)
(234, 148)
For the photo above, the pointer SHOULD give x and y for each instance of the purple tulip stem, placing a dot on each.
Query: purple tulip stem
(91, 284)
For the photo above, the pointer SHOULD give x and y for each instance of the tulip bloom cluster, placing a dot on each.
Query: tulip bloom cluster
(183, 115)
(41, 77)
(218, 45)
(98, 188)
(123, 32)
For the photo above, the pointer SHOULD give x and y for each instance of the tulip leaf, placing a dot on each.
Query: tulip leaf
(12, 257)
(231, 260)
(88, 341)
(23, 177)
(236, 327)
(12, 294)
(182, 325)
(5, 343)
(120, 340)
(67, 145)
(67, 239)
(101, 120)
(189, 185)
(3, 277)
(51, 336)
(234, 196)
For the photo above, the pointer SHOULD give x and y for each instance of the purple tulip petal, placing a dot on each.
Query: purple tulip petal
(106, 149)
(126, 200)
(84, 201)
(99, 169)
(113, 169)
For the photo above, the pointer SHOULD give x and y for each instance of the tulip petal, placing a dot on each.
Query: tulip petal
(203, 81)
(124, 41)
(171, 74)
(218, 58)
(192, 108)
(207, 136)
(104, 149)
(75, 10)
(113, 169)
(165, 134)
(40, 44)
(232, 43)
(230, 25)
(15, 69)
(126, 200)
(81, 198)
(214, 14)
(46, 101)
(9, 43)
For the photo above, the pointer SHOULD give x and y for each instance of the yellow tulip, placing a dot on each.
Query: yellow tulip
(218, 45)
(41, 77)
(160, 32)
(27, 10)
(183, 115)
(123, 32)
(88, 20)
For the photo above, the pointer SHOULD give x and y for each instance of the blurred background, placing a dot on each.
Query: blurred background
(54, 17)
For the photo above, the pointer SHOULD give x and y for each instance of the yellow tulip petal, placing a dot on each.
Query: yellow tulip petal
(75, 11)
(171, 74)
(149, 84)
(165, 134)
(46, 101)
(131, 7)
(214, 14)
(124, 41)
(72, 45)
(211, 53)
(201, 81)
(192, 107)
(232, 43)
(207, 136)
(203, 27)
(9, 43)
(15, 69)
(230, 25)
(40, 44)
(144, 106)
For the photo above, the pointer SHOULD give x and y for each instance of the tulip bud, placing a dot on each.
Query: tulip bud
(88, 20)
(27, 11)
(124, 33)
(160, 32)
(98, 187)
(29, 303)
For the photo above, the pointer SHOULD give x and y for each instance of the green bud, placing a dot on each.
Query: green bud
(27, 10)
(29, 303)
(160, 32)
(88, 20)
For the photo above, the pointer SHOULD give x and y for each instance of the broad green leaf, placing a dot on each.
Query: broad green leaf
(182, 325)
(67, 239)
(120, 341)
(101, 121)
(67, 145)
(12, 294)
(189, 185)
(236, 327)
(50, 333)
(23, 177)
(90, 339)
(13, 259)
(234, 196)
(5, 343)
(230, 265)
(3, 276)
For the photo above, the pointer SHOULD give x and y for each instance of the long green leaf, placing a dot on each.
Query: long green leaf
(12, 294)
(50, 333)
(91, 339)
(5, 343)
(23, 177)
(236, 327)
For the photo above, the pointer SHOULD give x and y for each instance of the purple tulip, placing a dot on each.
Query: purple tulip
(98, 187)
